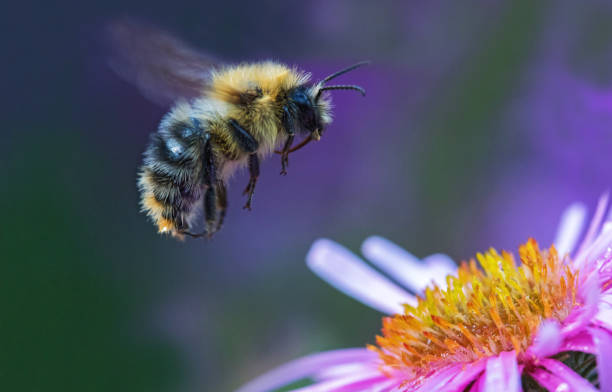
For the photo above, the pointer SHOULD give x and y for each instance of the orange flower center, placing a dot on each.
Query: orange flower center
(481, 313)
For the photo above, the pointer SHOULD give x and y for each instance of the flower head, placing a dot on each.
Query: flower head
(481, 312)
(540, 320)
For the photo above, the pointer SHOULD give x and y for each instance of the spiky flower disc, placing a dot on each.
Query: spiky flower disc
(482, 312)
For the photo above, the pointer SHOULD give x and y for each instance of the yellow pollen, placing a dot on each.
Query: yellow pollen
(482, 312)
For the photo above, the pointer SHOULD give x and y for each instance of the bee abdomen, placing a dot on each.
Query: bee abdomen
(171, 206)
(170, 178)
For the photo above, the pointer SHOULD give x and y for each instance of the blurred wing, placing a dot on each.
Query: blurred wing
(162, 66)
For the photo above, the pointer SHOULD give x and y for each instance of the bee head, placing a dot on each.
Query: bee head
(311, 108)
(309, 115)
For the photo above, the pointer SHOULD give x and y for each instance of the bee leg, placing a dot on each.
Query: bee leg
(247, 143)
(210, 210)
(254, 171)
(285, 155)
(221, 203)
(243, 138)
(210, 180)
(288, 124)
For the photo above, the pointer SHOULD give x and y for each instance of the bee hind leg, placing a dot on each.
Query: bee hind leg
(210, 211)
(210, 182)
(213, 195)
(213, 225)
(254, 173)
(221, 203)
(288, 124)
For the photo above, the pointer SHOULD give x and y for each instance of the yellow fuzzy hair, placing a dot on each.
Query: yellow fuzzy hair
(272, 78)
(269, 82)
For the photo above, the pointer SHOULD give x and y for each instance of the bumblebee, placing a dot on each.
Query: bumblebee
(223, 117)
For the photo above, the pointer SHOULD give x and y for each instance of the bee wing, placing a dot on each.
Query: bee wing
(161, 65)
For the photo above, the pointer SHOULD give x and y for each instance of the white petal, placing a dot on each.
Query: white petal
(439, 267)
(570, 228)
(402, 265)
(349, 274)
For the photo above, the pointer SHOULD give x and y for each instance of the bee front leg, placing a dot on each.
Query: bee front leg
(288, 124)
(254, 175)
(285, 155)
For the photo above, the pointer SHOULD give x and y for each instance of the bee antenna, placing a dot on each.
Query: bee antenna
(345, 70)
(342, 87)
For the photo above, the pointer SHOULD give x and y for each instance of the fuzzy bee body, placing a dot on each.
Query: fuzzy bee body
(237, 116)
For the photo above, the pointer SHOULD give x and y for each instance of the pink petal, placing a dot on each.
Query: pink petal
(581, 317)
(604, 312)
(348, 273)
(581, 342)
(593, 230)
(388, 388)
(502, 373)
(606, 298)
(605, 267)
(600, 248)
(306, 367)
(560, 376)
(439, 380)
(357, 383)
(550, 381)
(370, 385)
(603, 342)
(479, 384)
(548, 340)
(466, 376)
(342, 370)
(570, 228)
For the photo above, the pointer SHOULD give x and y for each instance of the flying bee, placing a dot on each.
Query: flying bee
(223, 117)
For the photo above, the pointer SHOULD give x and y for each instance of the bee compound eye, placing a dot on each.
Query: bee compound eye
(300, 98)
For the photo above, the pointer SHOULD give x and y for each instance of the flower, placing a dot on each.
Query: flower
(543, 324)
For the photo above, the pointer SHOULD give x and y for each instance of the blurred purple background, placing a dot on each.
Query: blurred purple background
(483, 120)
